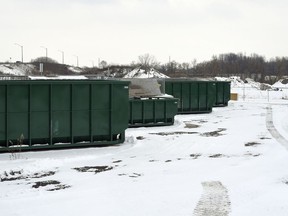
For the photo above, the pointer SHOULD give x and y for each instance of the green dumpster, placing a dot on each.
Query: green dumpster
(222, 93)
(195, 96)
(156, 111)
(50, 114)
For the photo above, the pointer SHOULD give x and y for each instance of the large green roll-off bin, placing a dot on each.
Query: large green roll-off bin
(50, 114)
(195, 96)
(155, 111)
(222, 93)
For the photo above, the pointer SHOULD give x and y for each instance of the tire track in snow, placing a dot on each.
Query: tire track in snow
(214, 200)
(271, 128)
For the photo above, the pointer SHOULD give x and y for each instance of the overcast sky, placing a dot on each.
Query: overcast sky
(118, 31)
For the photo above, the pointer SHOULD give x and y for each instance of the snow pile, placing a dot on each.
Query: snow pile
(248, 83)
(141, 73)
(235, 81)
(258, 85)
(283, 83)
(18, 69)
(75, 69)
(24, 69)
(253, 83)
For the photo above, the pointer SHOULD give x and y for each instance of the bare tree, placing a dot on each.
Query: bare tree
(103, 64)
(193, 63)
(147, 61)
(44, 59)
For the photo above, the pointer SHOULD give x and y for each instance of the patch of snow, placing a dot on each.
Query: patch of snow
(165, 96)
(75, 69)
(235, 81)
(223, 79)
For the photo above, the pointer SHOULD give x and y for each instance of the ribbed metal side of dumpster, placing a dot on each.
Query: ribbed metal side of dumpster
(147, 112)
(222, 93)
(195, 96)
(57, 114)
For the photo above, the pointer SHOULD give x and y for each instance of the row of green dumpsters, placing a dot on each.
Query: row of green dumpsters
(52, 114)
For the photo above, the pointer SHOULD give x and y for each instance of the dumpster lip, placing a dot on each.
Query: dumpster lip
(57, 146)
(68, 81)
(212, 80)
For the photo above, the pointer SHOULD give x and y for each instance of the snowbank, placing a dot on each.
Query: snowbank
(283, 83)
(16, 69)
(75, 69)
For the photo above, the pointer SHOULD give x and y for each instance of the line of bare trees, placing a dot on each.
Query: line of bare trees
(253, 66)
(230, 64)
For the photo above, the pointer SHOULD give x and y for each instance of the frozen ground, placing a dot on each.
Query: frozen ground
(222, 163)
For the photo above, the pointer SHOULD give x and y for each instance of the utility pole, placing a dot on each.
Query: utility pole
(21, 51)
(62, 55)
(77, 60)
(46, 53)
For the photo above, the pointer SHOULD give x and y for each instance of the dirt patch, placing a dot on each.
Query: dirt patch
(59, 187)
(152, 160)
(95, 169)
(41, 175)
(200, 121)
(13, 175)
(214, 133)
(173, 133)
(140, 138)
(56, 185)
(263, 138)
(252, 144)
(190, 125)
(251, 154)
(117, 161)
(44, 183)
(195, 156)
(217, 156)
(135, 175)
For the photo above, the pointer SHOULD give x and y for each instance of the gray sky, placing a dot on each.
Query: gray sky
(118, 31)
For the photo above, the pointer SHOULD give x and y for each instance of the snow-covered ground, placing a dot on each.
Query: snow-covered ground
(222, 163)
(20, 69)
(16, 69)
